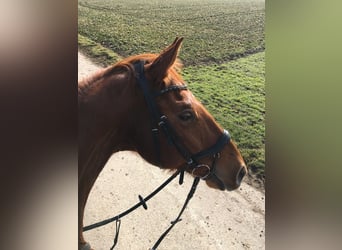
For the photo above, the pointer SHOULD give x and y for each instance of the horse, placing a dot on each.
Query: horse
(142, 104)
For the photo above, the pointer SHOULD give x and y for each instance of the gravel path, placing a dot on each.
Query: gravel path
(213, 219)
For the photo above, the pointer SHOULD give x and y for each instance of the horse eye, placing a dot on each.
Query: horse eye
(186, 116)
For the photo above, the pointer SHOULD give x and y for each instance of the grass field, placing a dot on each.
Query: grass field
(234, 93)
(215, 30)
(223, 54)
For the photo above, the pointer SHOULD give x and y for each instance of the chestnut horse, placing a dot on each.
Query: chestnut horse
(115, 115)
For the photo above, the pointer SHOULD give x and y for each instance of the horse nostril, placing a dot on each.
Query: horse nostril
(240, 175)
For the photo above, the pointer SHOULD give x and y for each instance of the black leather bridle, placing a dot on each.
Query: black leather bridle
(160, 122)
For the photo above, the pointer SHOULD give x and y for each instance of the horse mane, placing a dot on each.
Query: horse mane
(125, 65)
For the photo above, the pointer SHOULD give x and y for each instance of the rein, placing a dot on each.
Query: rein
(159, 122)
(142, 202)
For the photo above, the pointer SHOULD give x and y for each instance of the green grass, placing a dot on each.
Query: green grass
(234, 93)
(214, 30)
(223, 53)
(98, 53)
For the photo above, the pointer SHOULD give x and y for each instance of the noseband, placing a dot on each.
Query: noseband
(160, 122)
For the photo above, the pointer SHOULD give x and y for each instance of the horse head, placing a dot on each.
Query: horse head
(142, 104)
(182, 130)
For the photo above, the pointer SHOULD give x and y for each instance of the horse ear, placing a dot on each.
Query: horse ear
(158, 68)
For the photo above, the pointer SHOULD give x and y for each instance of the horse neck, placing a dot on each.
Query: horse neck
(104, 108)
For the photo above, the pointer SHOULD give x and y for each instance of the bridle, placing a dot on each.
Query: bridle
(160, 122)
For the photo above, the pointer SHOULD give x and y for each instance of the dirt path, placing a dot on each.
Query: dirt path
(213, 219)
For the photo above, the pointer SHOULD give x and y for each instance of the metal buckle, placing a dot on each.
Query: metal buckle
(190, 162)
(217, 155)
(162, 120)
